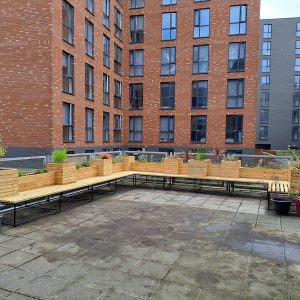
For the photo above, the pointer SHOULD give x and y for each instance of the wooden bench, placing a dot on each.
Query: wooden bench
(279, 188)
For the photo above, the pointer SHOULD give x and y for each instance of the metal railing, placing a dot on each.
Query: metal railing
(147, 155)
(26, 164)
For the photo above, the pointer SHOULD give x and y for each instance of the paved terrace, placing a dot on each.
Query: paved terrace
(140, 244)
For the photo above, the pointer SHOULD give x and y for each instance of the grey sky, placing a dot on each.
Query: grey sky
(280, 9)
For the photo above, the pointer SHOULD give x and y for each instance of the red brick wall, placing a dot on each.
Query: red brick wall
(25, 76)
(217, 77)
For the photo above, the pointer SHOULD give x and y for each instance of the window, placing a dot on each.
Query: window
(67, 22)
(297, 50)
(89, 38)
(238, 19)
(167, 95)
(295, 133)
(168, 2)
(106, 83)
(136, 29)
(168, 31)
(89, 125)
(89, 82)
(117, 128)
(200, 59)
(118, 24)
(118, 94)
(296, 99)
(235, 93)
(266, 48)
(298, 29)
(135, 129)
(264, 99)
(136, 96)
(266, 65)
(295, 116)
(105, 127)
(199, 94)
(234, 129)
(297, 65)
(166, 129)
(168, 61)
(236, 58)
(68, 123)
(136, 63)
(267, 31)
(136, 3)
(118, 60)
(198, 129)
(106, 12)
(263, 132)
(264, 116)
(265, 82)
(106, 51)
(297, 82)
(89, 5)
(68, 72)
(201, 23)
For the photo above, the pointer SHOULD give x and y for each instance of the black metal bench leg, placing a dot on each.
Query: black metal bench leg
(60, 202)
(15, 215)
(92, 192)
(116, 185)
(269, 198)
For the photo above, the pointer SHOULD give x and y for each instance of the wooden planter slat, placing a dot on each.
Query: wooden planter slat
(104, 166)
(117, 167)
(294, 181)
(127, 161)
(215, 170)
(183, 168)
(230, 169)
(172, 165)
(147, 167)
(261, 173)
(198, 168)
(9, 182)
(86, 172)
(65, 173)
(32, 182)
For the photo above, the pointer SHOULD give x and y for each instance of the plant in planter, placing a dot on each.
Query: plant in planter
(103, 163)
(65, 172)
(217, 153)
(230, 166)
(8, 177)
(198, 167)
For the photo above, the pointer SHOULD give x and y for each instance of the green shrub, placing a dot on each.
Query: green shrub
(78, 166)
(231, 157)
(117, 160)
(22, 173)
(201, 153)
(85, 164)
(41, 171)
(59, 155)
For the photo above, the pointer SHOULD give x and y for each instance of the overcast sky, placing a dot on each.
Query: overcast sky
(280, 9)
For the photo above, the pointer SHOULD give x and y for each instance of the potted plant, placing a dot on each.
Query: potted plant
(230, 166)
(8, 177)
(65, 172)
(198, 167)
(103, 163)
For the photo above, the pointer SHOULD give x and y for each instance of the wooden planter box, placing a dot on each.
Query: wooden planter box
(65, 173)
(86, 172)
(261, 173)
(294, 181)
(9, 182)
(31, 182)
(127, 161)
(198, 168)
(183, 168)
(104, 166)
(215, 170)
(230, 169)
(117, 167)
(147, 167)
(172, 165)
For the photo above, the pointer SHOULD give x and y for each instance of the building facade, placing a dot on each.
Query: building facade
(279, 90)
(112, 74)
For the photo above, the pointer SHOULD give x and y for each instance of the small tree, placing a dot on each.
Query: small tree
(3, 150)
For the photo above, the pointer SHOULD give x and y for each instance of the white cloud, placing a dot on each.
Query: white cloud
(271, 9)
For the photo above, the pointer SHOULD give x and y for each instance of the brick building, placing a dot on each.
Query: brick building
(104, 75)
